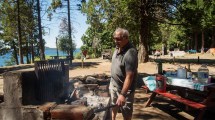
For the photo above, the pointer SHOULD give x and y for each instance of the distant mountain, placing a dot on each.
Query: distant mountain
(48, 48)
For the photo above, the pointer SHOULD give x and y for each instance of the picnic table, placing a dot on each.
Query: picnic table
(54, 57)
(192, 51)
(183, 88)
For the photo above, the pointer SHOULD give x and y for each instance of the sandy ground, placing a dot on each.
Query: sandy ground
(100, 66)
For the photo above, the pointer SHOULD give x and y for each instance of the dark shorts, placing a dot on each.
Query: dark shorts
(127, 109)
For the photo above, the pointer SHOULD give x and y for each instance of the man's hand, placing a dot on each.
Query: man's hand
(121, 100)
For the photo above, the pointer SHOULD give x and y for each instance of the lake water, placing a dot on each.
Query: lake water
(49, 52)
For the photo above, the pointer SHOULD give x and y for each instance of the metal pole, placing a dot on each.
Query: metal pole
(57, 48)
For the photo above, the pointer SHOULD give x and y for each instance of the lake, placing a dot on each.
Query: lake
(48, 52)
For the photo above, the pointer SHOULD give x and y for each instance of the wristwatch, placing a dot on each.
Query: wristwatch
(123, 94)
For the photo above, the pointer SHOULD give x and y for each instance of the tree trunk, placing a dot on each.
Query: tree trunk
(32, 51)
(69, 31)
(190, 42)
(164, 48)
(143, 48)
(15, 53)
(143, 40)
(186, 44)
(57, 47)
(41, 43)
(203, 42)
(213, 38)
(196, 41)
(193, 41)
(19, 35)
(27, 52)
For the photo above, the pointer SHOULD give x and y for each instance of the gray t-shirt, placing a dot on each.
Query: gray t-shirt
(123, 62)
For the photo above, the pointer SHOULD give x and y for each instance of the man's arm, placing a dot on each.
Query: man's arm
(127, 83)
(130, 68)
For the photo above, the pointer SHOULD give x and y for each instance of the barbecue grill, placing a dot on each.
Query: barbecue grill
(46, 93)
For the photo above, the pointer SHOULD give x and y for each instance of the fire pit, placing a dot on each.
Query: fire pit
(94, 90)
(29, 96)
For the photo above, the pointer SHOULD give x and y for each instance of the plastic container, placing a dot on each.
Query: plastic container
(161, 83)
(182, 73)
(209, 79)
(203, 74)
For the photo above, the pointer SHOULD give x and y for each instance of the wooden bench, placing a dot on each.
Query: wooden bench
(192, 51)
(179, 99)
(182, 100)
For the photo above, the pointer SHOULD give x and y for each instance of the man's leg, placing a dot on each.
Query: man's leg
(127, 109)
(114, 112)
(113, 96)
(128, 117)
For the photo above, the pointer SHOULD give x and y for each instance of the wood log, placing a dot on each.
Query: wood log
(71, 112)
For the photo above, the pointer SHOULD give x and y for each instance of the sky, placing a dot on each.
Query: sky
(78, 21)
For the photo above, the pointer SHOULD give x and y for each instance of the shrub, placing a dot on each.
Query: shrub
(78, 56)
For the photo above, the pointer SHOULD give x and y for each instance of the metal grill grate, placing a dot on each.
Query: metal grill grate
(50, 80)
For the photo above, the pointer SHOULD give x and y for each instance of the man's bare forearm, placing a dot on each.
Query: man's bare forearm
(127, 83)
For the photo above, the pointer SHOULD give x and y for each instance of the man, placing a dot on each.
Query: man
(123, 74)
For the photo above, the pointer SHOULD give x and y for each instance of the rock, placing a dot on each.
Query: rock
(91, 80)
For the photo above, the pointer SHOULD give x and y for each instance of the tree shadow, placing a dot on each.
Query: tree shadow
(15, 67)
(1, 98)
(173, 108)
(160, 108)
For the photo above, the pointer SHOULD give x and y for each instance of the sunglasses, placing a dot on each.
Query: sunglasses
(118, 38)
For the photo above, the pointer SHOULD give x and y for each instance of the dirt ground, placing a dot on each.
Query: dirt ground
(161, 110)
(98, 66)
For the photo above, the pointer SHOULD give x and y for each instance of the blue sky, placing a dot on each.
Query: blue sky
(52, 27)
